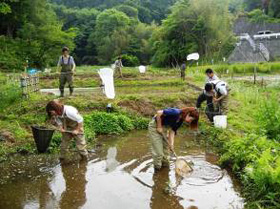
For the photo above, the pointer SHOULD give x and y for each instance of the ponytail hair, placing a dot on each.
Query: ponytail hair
(54, 106)
(192, 112)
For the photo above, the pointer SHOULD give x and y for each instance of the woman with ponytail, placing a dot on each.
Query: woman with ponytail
(167, 122)
(70, 123)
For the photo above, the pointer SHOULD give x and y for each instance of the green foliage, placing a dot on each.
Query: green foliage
(103, 123)
(37, 34)
(111, 35)
(113, 123)
(125, 123)
(9, 94)
(130, 61)
(257, 16)
(5, 8)
(268, 117)
(193, 26)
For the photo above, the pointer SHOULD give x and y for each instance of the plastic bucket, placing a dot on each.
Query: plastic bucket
(220, 121)
(42, 137)
(142, 69)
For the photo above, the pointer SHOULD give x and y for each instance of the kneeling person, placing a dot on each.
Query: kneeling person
(168, 121)
(70, 123)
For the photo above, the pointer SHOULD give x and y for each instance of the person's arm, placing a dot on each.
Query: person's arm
(159, 121)
(200, 100)
(223, 92)
(78, 129)
(58, 65)
(171, 137)
(74, 65)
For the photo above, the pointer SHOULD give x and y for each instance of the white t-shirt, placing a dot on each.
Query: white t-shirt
(72, 113)
(220, 87)
(65, 60)
(214, 78)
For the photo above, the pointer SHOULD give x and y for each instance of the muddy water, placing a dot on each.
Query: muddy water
(120, 175)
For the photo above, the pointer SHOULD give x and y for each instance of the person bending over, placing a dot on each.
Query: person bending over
(167, 122)
(70, 123)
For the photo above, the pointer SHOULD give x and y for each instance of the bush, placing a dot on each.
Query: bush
(9, 94)
(103, 123)
(112, 123)
(269, 117)
(130, 60)
(125, 123)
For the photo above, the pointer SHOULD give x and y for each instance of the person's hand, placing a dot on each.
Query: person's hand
(62, 130)
(215, 100)
(160, 130)
(75, 132)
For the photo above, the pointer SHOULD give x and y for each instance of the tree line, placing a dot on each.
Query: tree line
(161, 32)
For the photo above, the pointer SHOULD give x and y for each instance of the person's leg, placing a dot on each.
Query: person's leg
(70, 82)
(156, 145)
(166, 152)
(224, 105)
(64, 146)
(62, 82)
(81, 146)
(121, 72)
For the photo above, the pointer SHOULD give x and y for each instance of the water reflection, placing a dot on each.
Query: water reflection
(162, 191)
(74, 195)
(111, 162)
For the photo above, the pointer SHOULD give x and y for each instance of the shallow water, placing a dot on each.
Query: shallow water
(120, 175)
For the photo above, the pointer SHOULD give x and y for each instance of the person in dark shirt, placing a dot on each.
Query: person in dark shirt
(183, 71)
(168, 121)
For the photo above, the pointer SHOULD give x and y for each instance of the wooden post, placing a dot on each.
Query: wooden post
(255, 74)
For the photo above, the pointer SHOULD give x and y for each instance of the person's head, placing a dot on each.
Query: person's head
(209, 72)
(191, 116)
(65, 51)
(208, 87)
(54, 108)
(119, 57)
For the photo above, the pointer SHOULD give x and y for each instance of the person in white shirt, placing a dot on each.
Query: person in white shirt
(70, 124)
(66, 65)
(210, 76)
(221, 91)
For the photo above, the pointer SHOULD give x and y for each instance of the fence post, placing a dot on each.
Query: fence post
(255, 74)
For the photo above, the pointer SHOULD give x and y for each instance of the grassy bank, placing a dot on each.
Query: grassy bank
(250, 146)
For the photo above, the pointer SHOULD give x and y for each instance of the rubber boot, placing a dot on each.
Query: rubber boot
(71, 89)
(61, 92)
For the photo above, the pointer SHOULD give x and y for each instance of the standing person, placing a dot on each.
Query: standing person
(118, 66)
(210, 76)
(66, 65)
(168, 121)
(68, 119)
(183, 71)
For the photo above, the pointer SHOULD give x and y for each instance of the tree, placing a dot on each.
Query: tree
(193, 26)
(274, 8)
(111, 35)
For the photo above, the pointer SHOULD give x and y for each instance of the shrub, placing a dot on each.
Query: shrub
(9, 94)
(103, 123)
(125, 123)
(130, 60)
(268, 117)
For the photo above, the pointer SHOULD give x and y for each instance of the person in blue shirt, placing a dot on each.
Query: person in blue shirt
(167, 122)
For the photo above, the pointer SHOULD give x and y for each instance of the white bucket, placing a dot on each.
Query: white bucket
(142, 69)
(220, 121)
